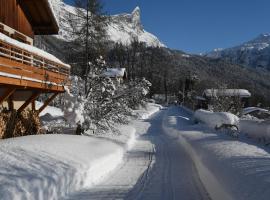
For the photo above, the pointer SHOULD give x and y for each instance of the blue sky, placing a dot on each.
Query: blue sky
(197, 26)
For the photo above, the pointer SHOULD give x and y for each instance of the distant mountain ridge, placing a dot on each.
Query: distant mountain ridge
(254, 53)
(123, 28)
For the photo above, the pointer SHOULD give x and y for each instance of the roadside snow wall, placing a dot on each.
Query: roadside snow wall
(147, 111)
(52, 166)
(215, 119)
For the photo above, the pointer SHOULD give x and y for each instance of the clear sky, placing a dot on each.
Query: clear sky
(197, 26)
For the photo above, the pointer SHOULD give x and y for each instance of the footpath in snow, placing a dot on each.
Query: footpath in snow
(53, 166)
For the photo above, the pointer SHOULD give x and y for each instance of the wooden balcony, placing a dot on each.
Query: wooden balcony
(29, 70)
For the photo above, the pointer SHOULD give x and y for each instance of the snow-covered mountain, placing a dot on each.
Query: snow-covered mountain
(254, 53)
(122, 28)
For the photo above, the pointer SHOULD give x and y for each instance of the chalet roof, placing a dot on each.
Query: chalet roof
(252, 109)
(226, 92)
(40, 16)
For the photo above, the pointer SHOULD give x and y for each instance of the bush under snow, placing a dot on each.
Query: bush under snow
(216, 119)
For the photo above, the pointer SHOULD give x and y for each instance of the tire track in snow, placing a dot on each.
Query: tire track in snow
(156, 168)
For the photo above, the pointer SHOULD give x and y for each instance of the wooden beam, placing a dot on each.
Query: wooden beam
(28, 101)
(7, 94)
(46, 103)
(30, 84)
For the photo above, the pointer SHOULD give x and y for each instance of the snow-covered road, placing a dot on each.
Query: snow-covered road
(158, 167)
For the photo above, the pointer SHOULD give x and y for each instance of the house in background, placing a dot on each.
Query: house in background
(118, 74)
(26, 71)
(209, 95)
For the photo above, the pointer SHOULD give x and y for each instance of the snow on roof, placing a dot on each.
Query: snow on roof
(252, 109)
(226, 92)
(55, 15)
(200, 98)
(115, 72)
(31, 49)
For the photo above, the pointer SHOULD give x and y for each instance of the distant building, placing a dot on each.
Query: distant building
(242, 93)
(210, 94)
(118, 74)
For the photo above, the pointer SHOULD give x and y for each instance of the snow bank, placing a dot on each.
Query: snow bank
(229, 169)
(256, 129)
(51, 166)
(215, 119)
(128, 133)
(147, 111)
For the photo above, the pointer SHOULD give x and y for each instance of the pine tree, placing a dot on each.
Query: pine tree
(89, 30)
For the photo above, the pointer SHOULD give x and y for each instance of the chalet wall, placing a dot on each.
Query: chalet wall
(12, 15)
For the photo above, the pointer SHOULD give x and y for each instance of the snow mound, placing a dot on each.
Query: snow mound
(257, 129)
(52, 166)
(216, 119)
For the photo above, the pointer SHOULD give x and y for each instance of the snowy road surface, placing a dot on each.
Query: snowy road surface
(158, 167)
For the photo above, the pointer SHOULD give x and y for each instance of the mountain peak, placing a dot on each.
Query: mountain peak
(136, 10)
(123, 28)
(136, 18)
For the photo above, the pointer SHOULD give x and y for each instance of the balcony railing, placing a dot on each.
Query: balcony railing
(32, 67)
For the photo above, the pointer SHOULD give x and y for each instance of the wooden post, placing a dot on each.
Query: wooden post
(7, 94)
(28, 101)
(33, 106)
(46, 103)
(10, 103)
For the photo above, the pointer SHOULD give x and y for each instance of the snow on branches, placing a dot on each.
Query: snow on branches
(100, 102)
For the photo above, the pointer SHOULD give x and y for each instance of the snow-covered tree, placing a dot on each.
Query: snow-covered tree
(105, 101)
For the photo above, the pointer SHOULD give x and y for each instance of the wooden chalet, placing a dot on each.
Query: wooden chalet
(26, 71)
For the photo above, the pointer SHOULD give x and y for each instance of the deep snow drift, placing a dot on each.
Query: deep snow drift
(50, 166)
(216, 119)
(257, 129)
